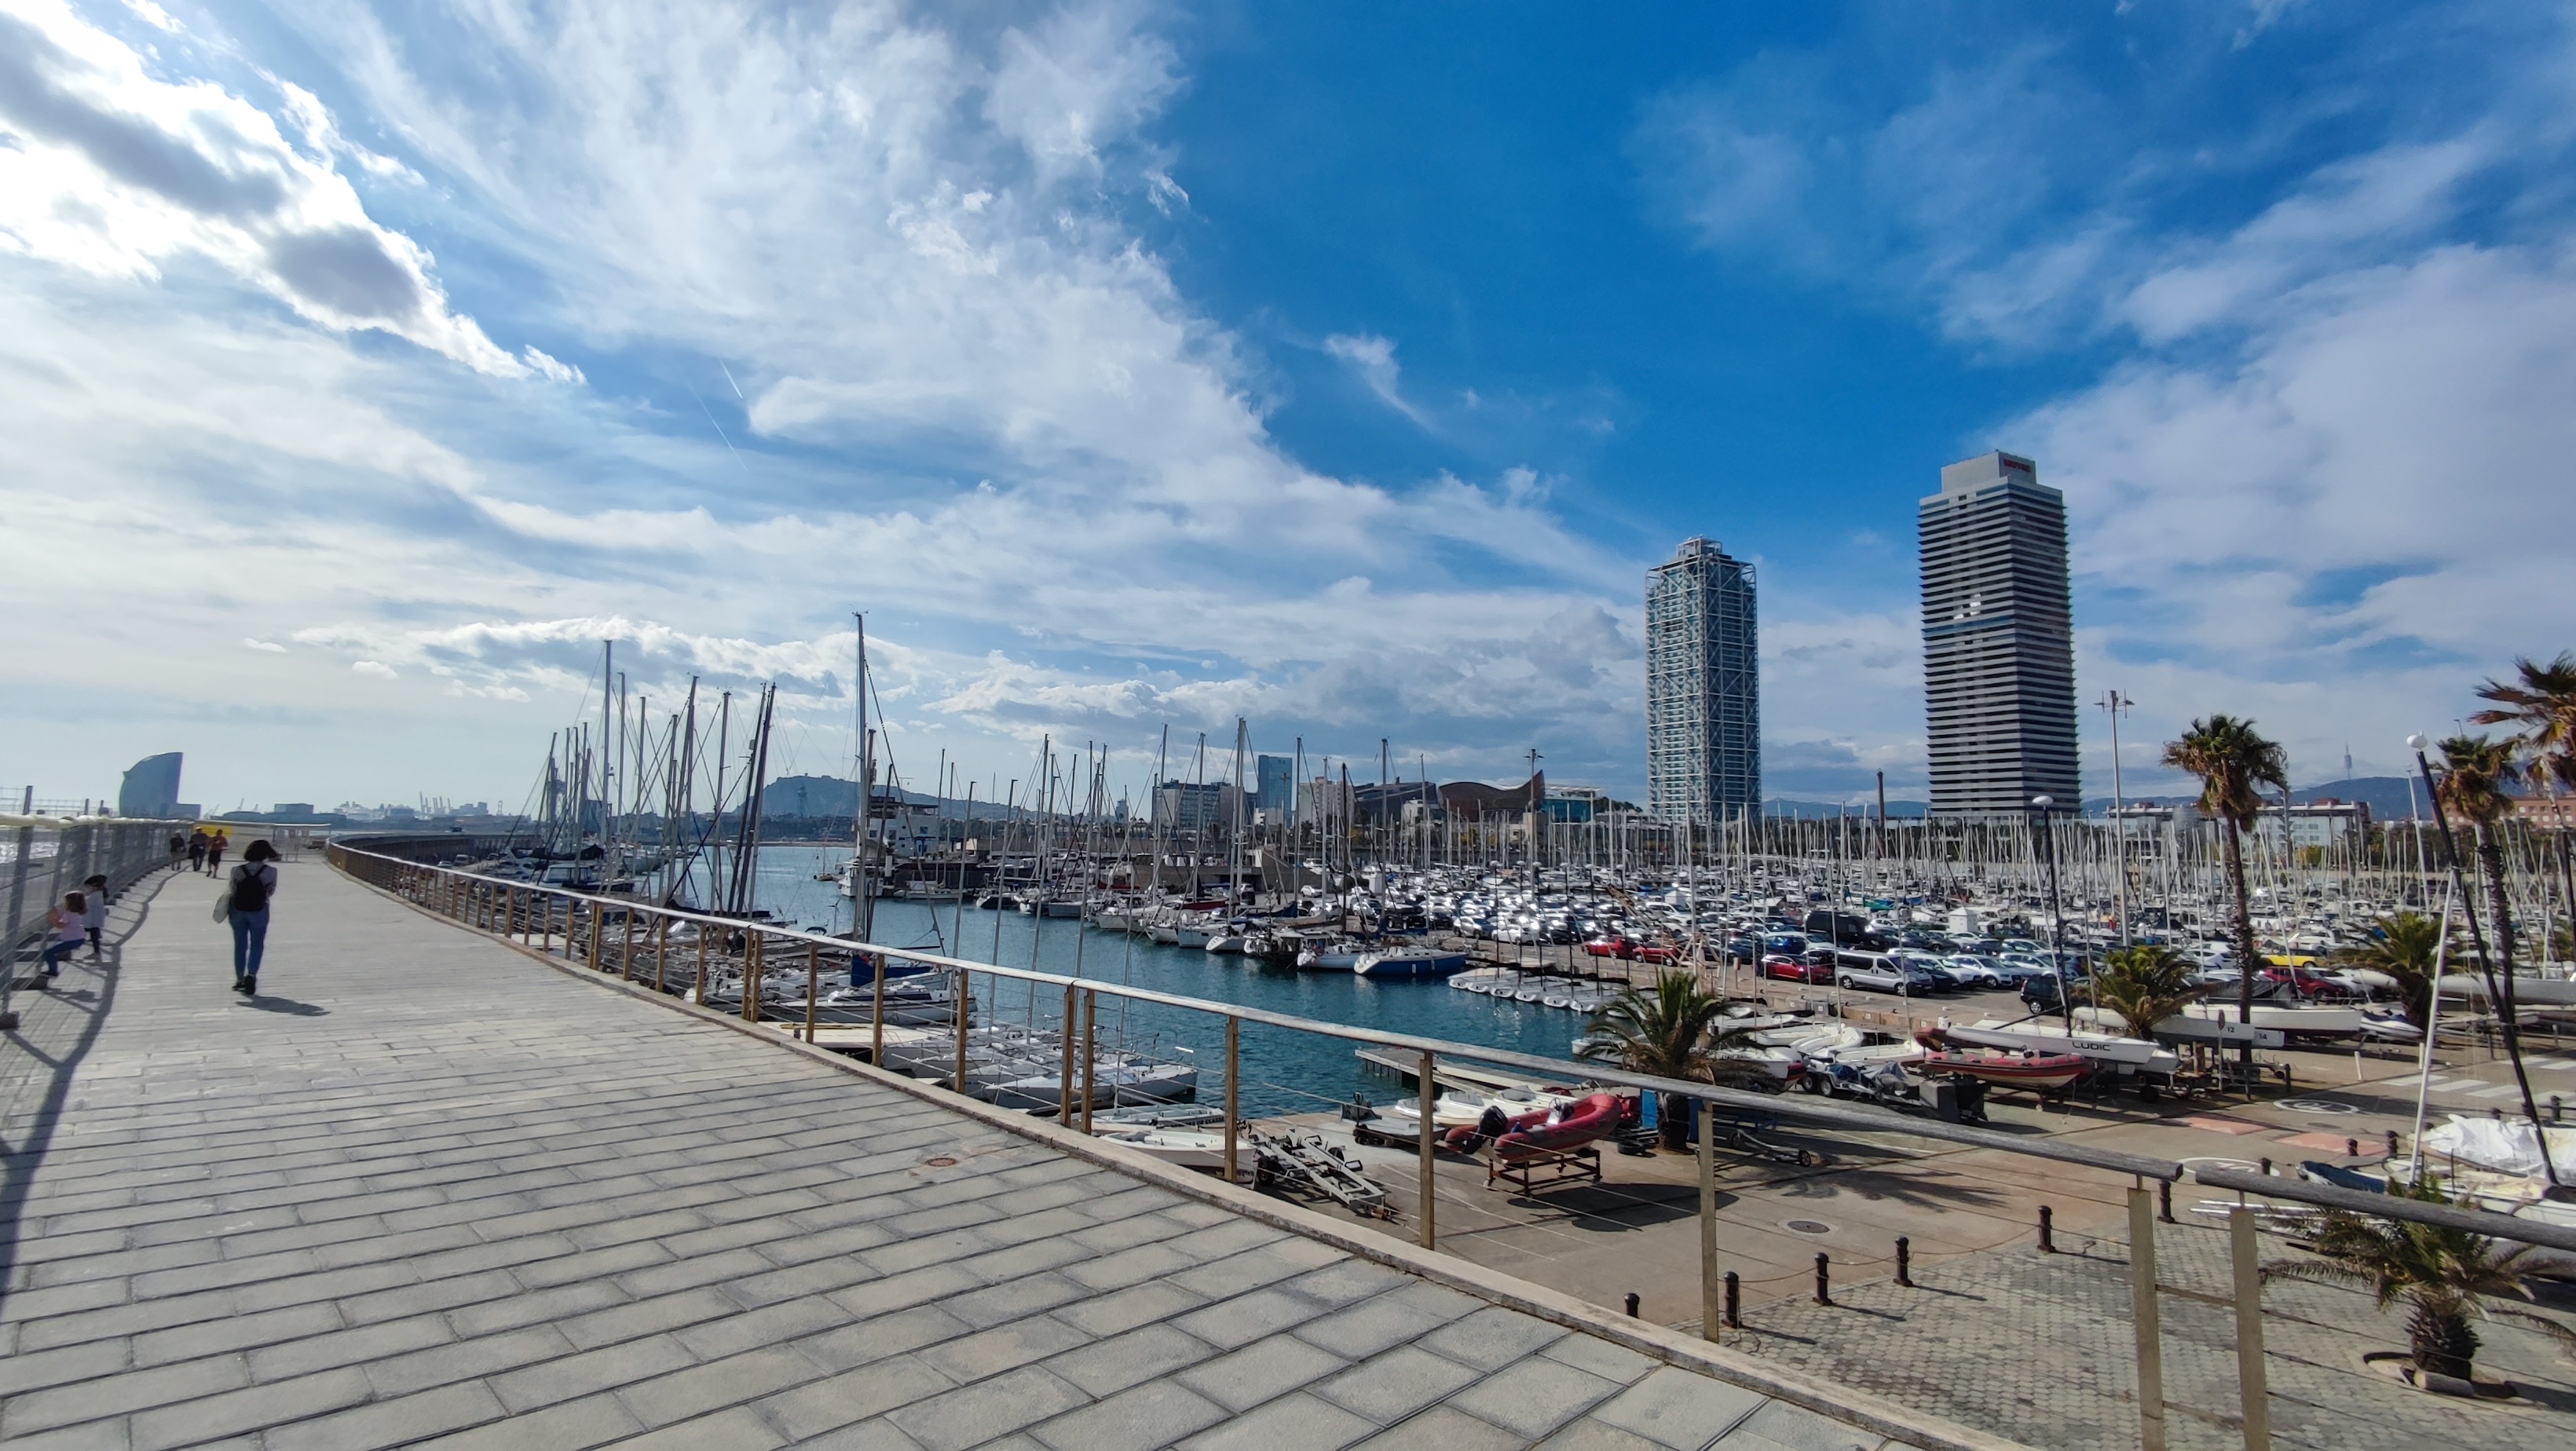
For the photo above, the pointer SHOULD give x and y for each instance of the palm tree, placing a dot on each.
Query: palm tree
(2404, 947)
(2478, 777)
(1661, 1031)
(2145, 985)
(2541, 705)
(2444, 1275)
(2231, 760)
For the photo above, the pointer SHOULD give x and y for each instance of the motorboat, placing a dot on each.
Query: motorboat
(1409, 962)
(2004, 1067)
(2183, 1028)
(2121, 1056)
(1183, 1148)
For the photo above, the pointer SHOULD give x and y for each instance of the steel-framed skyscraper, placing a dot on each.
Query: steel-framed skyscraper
(1703, 687)
(1998, 640)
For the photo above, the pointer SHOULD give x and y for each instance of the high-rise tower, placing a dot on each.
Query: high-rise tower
(1703, 687)
(1998, 640)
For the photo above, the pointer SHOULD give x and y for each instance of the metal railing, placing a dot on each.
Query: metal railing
(635, 940)
(42, 858)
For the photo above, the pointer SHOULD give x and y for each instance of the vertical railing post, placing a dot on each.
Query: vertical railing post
(965, 988)
(661, 954)
(1233, 1060)
(626, 951)
(1430, 1095)
(598, 932)
(546, 938)
(2146, 1316)
(1090, 1052)
(813, 984)
(2251, 1390)
(1711, 1316)
(876, 1013)
(1064, 1040)
(698, 989)
(751, 974)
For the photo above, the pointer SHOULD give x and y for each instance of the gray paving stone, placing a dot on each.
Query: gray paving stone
(1494, 1337)
(1109, 1366)
(465, 1359)
(1534, 1397)
(1588, 1434)
(1450, 1430)
(1154, 1414)
(568, 1426)
(683, 1394)
(852, 1396)
(1126, 1309)
(399, 1422)
(874, 1435)
(882, 1335)
(44, 1409)
(1012, 1299)
(1004, 1347)
(1261, 1370)
(1388, 1387)
(590, 1372)
(986, 1410)
(1610, 1362)
(1373, 1325)
(1298, 1421)
(738, 1429)
(1246, 1318)
(206, 1418)
(1802, 1430)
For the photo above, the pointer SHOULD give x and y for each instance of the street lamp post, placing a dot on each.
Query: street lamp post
(2056, 913)
(2117, 704)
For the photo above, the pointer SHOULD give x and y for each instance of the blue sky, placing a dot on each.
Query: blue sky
(1339, 367)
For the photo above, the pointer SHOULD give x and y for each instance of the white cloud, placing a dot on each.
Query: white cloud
(1372, 359)
(271, 646)
(116, 172)
(376, 668)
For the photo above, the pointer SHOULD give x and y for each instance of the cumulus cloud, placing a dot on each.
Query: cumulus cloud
(116, 171)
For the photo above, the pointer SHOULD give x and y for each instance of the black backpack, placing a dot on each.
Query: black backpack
(250, 890)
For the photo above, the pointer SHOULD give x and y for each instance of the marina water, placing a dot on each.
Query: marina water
(1284, 1072)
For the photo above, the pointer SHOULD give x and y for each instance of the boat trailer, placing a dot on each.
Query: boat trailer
(1303, 1164)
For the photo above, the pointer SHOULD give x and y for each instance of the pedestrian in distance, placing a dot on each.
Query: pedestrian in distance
(178, 849)
(68, 933)
(246, 897)
(94, 920)
(215, 844)
(197, 849)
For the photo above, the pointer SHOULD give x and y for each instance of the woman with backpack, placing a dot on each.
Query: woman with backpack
(252, 885)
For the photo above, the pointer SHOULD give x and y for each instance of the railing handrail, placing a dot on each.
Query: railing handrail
(1824, 1113)
(2390, 1206)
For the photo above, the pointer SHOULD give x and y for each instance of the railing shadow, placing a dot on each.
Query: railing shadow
(19, 1158)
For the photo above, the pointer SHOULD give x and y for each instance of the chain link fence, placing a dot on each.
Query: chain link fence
(43, 857)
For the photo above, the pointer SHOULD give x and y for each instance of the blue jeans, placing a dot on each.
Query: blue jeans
(250, 938)
(55, 954)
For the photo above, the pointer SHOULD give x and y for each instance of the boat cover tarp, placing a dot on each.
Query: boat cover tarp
(2503, 1146)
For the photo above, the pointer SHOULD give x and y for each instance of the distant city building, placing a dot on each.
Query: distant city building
(1998, 640)
(1703, 687)
(1276, 785)
(1194, 806)
(1577, 805)
(1325, 797)
(151, 788)
(1471, 800)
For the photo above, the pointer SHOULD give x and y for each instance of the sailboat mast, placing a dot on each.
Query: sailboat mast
(864, 910)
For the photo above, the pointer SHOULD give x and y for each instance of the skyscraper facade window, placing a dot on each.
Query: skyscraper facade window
(1998, 640)
(1703, 687)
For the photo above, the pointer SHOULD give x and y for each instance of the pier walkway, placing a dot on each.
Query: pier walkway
(428, 1190)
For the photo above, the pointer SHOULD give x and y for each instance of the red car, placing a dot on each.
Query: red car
(1658, 953)
(1618, 947)
(1796, 969)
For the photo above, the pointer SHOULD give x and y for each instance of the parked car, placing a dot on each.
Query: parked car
(1658, 953)
(1782, 967)
(1879, 972)
(1618, 947)
(1968, 972)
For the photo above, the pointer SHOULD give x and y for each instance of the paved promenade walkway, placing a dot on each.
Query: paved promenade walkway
(429, 1191)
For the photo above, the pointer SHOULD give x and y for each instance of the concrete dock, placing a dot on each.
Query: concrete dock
(428, 1190)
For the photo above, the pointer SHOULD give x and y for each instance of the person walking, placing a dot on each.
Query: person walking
(197, 849)
(215, 844)
(178, 849)
(94, 919)
(254, 884)
(68, 932)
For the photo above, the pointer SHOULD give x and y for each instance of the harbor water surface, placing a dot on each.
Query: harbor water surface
(1284, 1072)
